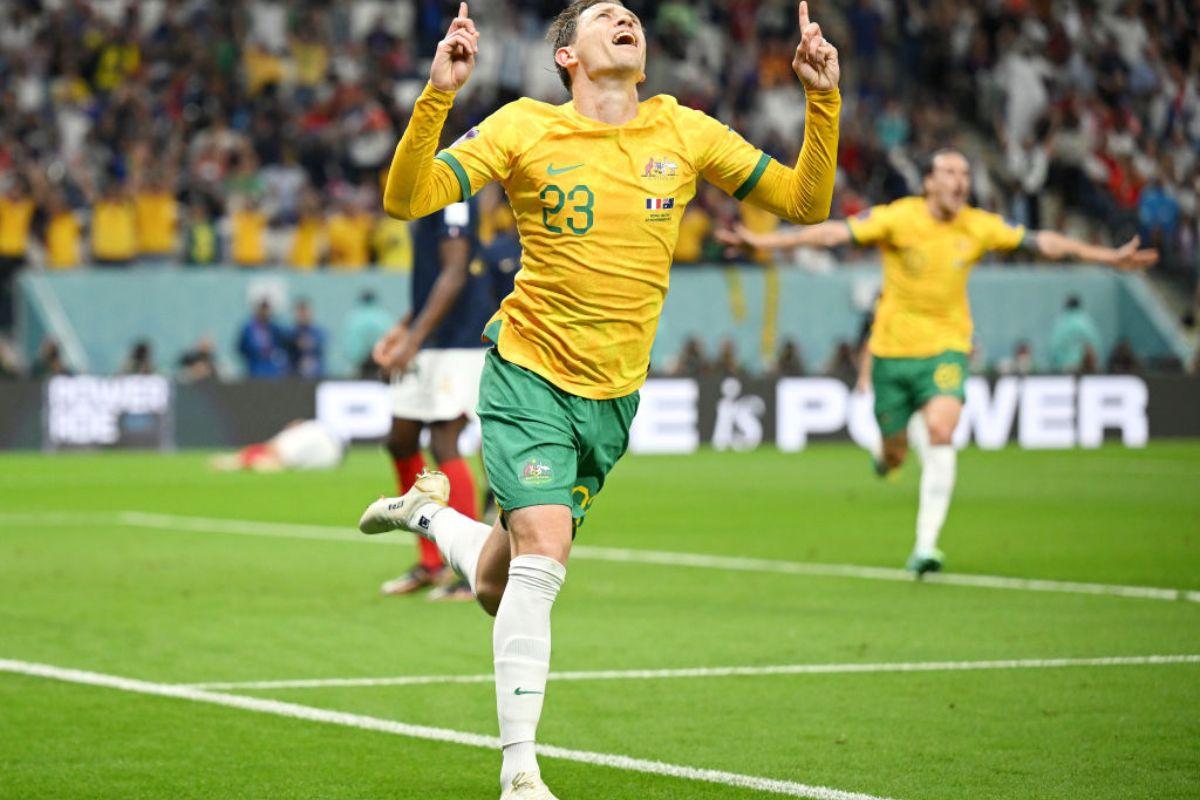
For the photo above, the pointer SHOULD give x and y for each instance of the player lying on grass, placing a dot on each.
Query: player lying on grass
(303, 444)
(922, 330)
(598, 186)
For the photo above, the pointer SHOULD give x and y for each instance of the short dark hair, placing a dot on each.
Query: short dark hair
(564, 28)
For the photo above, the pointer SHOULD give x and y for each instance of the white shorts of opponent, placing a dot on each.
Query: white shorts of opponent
(439, 385)
(308, 445)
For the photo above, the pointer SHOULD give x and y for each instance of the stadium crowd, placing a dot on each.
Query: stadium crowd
(256, 132)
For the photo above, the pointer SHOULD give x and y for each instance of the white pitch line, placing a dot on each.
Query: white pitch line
(312, 714)
(333, 533)
(719, 672)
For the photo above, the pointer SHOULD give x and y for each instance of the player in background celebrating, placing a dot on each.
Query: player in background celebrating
(921, 336)
(598, 186)
(435, 357)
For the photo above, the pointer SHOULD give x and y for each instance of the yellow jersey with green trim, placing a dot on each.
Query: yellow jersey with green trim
(923, 309)
(598, 210)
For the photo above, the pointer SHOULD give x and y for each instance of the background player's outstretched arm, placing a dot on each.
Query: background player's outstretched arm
(1058, 247)
(833, 233)
(804, 194)
(417, 185)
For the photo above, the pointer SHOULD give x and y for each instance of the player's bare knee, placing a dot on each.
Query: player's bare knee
(399, 448)
(941, 432)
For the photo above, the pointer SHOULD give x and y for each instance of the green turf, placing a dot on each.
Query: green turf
(175, 606)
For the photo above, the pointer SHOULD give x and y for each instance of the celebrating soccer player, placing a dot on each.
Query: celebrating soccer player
(598, 185)
(922, 331)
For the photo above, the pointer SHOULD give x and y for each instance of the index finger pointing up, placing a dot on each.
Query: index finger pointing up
(462, 10)
(803, 14)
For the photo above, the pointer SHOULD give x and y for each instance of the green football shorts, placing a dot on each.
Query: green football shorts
(904, 385)
(544, 446)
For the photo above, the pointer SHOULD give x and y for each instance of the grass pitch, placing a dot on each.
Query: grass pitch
(121, 565)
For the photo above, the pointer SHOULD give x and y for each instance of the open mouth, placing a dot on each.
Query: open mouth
(625, 39)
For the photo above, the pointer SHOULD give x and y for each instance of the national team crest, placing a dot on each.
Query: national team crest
(660, 168)
(660, 203)
(536, 472)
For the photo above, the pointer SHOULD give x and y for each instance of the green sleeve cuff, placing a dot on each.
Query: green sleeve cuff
(464, 182)
(748, 185)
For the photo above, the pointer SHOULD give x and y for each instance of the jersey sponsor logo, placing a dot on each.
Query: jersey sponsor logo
(536, 473)
(553, 170)
(660, 168)
(660, 203)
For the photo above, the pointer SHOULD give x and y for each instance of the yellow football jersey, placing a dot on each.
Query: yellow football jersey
(114, 230)
(15, 219)
(157, 213)
(598, 209)
(62, 240)
(923, 310)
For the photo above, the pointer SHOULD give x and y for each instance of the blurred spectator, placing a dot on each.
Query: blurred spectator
(391, 240)
(308, 238)
(306, 344)
(16, 216)
(727, 362)
(64, 234)
(140, 360)
(248, 234)
(349, 236)
(790, 362)
(366, 323)
(1074, 339)
(262, 345)
(843, 364)
(114, 226)
(199, 363)
(10, 362)
(1020, 362)
(201, 244)
(691, 362)
(1123, 360)
(49, 361)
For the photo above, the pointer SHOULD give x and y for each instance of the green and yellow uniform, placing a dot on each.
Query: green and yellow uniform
(922, 330)
(598, 209)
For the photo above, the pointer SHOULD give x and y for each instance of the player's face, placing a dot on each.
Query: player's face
(609, 39)
(949, 183)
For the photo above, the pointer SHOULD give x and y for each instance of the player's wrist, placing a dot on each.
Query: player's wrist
(438, 93)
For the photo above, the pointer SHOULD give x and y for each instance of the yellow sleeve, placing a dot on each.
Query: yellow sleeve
(802, 194)
(417, 184)
(997, 234)
(484, 153)
(871, 226)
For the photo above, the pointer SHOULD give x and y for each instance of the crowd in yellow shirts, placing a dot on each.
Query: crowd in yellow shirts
(143, 222)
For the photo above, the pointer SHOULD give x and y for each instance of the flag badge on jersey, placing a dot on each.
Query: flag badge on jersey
(659, 203)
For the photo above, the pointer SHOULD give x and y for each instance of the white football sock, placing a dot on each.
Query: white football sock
(918, 435)
(937, 485)
(458, 537)
(521, 646)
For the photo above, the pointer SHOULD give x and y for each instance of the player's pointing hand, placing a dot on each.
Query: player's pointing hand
(455, 55)
(816, 60)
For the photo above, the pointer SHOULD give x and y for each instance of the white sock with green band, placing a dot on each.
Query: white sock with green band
(521, 646)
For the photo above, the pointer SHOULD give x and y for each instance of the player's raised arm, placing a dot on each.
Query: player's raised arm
(416, 184)
(804, 193)
(1128, 256)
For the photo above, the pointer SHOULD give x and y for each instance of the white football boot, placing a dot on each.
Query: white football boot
(400, 513)
(527, 786)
